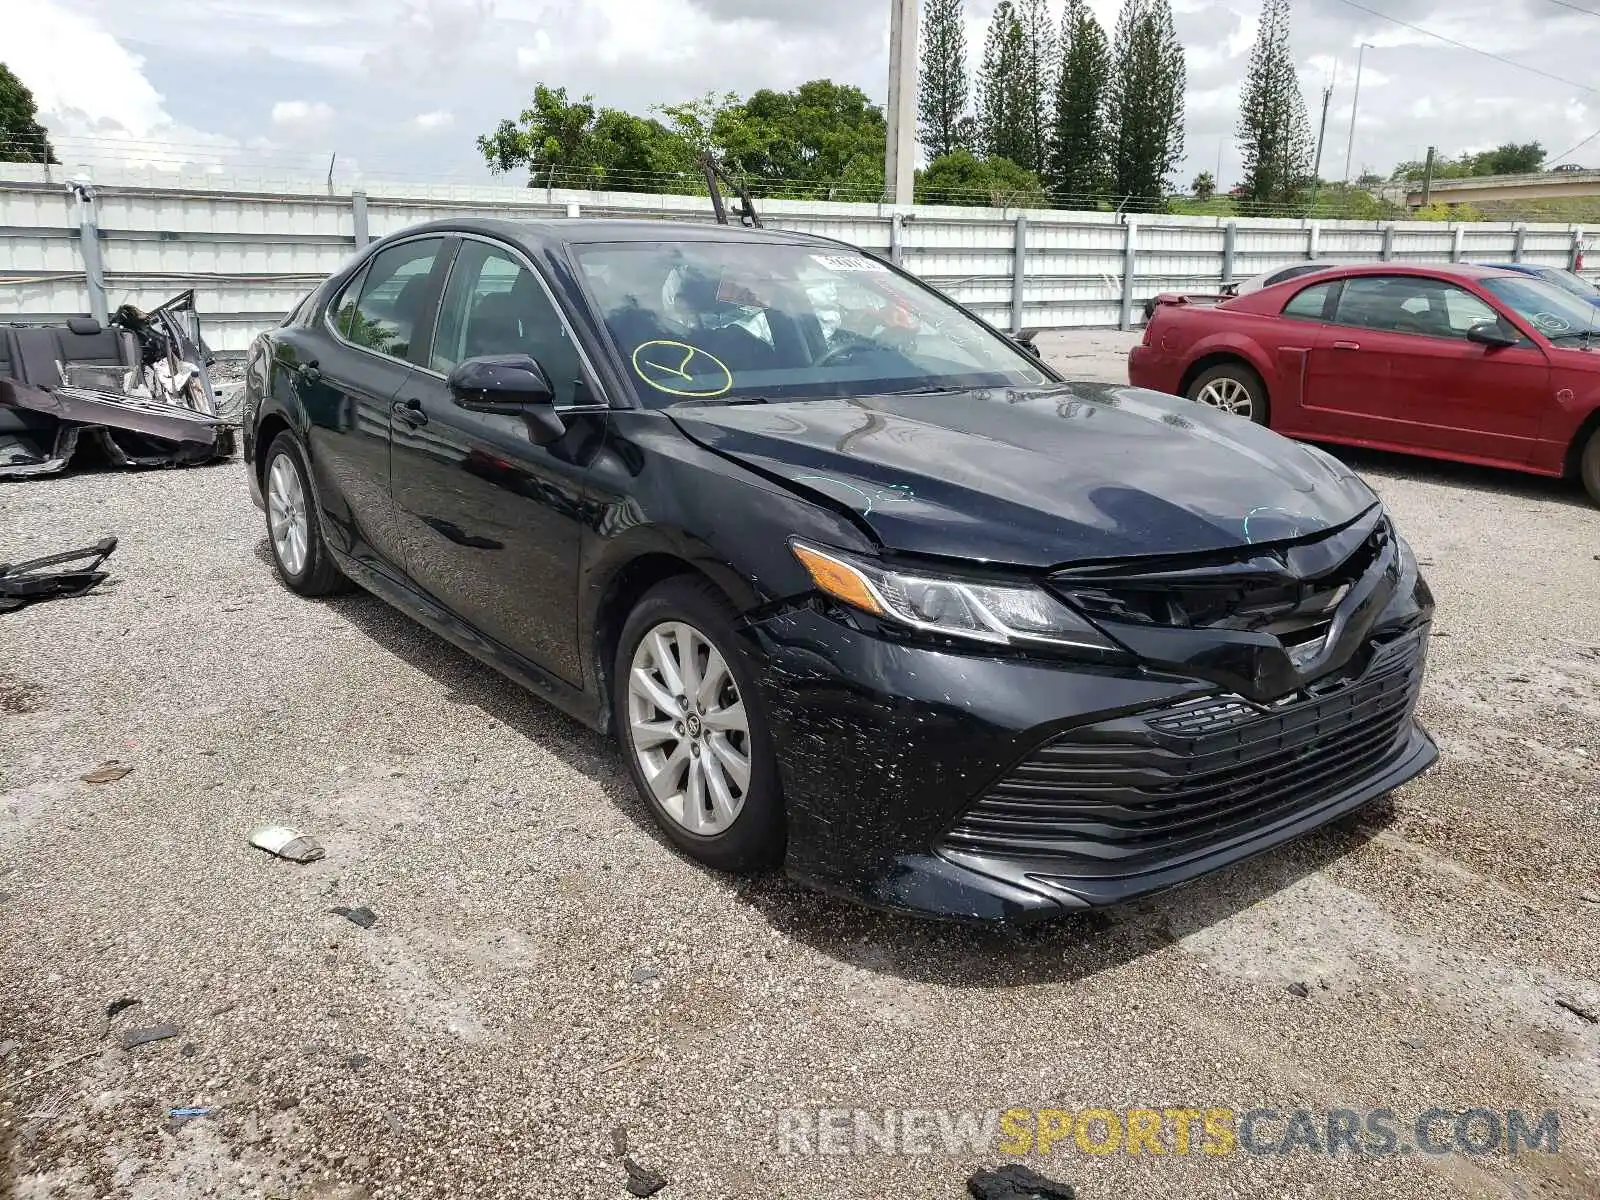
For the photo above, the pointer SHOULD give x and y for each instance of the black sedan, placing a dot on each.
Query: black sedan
(860, 585)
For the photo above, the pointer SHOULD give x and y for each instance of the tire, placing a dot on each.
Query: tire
(308, 570)
(727, 820)
(1589, 466)
(1233, 381)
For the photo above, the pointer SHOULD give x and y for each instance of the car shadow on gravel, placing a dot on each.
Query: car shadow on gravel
(1059, 951)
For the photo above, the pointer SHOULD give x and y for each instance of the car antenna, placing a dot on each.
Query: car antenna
(714, 171)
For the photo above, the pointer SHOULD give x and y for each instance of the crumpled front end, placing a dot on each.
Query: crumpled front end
(1271, 693)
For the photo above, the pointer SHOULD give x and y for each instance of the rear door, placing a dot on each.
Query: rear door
(347, 381)
(490, 520)
(1394, 366)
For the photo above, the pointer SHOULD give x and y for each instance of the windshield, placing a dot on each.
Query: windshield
(1553, 312)
(752, 320)
(1567, 281)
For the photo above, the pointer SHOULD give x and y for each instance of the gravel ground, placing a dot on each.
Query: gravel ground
(544, 970)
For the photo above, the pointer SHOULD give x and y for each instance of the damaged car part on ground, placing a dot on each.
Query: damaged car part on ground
(860, 585)
(39, 579)
(136, 394)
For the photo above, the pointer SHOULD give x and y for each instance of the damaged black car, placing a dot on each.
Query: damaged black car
(134, 392)
(861, 586)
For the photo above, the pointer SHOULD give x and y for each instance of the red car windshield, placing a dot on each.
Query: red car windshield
(1553, 312)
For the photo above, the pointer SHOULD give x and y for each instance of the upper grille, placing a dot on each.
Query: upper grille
(1117, 797)
(1264, 594)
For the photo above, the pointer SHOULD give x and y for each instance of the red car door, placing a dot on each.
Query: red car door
(1397, 369)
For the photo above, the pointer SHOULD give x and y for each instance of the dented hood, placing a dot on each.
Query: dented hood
(1039, 477)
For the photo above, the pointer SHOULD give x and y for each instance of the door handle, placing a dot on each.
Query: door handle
(409, 411)
(1347, 345)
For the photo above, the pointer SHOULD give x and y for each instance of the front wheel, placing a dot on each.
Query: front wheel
(1232, 388)
(1589, 466)
(692, 724)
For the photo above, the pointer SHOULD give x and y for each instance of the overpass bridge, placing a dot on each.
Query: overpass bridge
(1495, 189)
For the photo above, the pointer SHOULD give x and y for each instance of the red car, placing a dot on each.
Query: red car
(1467, 363)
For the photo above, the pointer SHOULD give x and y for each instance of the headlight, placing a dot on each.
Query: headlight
(987, 612)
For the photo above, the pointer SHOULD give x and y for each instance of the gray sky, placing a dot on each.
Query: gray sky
(400, 87)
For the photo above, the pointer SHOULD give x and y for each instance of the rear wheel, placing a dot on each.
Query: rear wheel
(1589, 466)
(294, 530)
(692, 723)
(1233, 388)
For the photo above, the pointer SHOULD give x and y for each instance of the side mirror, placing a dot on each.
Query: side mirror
(1025, 340)
(1491, 335)
(512, 385)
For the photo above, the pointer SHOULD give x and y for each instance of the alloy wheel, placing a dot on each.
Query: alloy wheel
(688, 729)
(286, 515)
(1227, 394)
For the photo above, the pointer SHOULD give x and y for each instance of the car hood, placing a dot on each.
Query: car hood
(1039, 477)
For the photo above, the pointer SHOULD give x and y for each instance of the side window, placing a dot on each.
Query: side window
(494, 305)
(392, 298)
(1411, 304)
(343, 310)
(1310, 304)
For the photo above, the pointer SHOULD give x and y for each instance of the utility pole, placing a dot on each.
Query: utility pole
(1350, 146)
(1322, 132)
(899, 167)
(1427, 177)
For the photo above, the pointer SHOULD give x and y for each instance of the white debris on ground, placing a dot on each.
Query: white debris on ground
(540, 969)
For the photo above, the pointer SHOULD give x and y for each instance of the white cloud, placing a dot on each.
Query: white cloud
(432, 122)
(100, 104)
(301, 116)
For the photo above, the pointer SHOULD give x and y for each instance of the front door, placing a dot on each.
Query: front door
(490, 520)
(1396, 366)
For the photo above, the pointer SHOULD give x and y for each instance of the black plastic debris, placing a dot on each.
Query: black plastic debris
(1299, 990)
(120, 1005)
(28, 582)
(156, 1033)
(1017, 1182)
(362, 916)
(642, 1181)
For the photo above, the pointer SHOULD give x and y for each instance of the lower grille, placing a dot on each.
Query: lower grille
(1116, 797)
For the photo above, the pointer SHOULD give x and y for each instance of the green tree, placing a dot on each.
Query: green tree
(1509, 158)
(1145, 107)
(1512, 158)
(1004, 119)
(942, 88)
(960, 178)
(1040, 67)
(22, 138)
(567, 142)
(1274, 134)
(1079, 164)
(1204, 186)
(809, 136)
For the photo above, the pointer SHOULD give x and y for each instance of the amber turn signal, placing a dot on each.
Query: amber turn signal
(838, 579)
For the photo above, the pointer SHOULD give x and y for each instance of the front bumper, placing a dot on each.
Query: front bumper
(959, 786)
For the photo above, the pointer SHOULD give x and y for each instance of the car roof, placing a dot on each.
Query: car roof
(582, 231)
(1449, 270)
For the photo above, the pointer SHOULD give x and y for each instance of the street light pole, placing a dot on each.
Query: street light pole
(900, 160)
(1350, 146)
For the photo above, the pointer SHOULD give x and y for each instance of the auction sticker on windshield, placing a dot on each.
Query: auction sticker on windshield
(849, 262)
